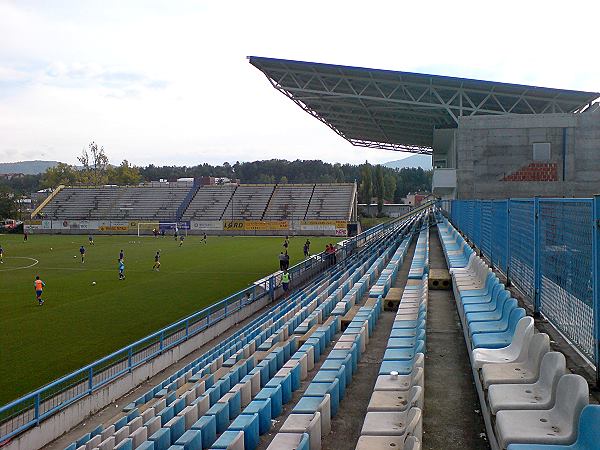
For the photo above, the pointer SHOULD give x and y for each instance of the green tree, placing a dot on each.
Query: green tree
(379, 188)
(389, 182)
(8, 205)
(60, 174)
(125, 174)
(95, 164)
(283, 180)
(365, 190)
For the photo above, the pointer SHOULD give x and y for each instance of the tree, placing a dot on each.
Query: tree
(379, 188)
(8, 205)
(60, 174)
(125, 174)
(283, 180)
(95, 163)
(389, 182)
(365, 190)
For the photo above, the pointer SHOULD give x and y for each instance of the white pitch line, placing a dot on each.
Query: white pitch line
(35, 261)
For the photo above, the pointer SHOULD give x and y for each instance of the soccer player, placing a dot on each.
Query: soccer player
(39, 287)
(25, 235)
(1, 255)
(91, 239)
(121, 255)
(306, 254)
(156, 265)
(204, 238)
(175, 234)
(121, 269)
(82, 251)
(181, 238)
(286, 243)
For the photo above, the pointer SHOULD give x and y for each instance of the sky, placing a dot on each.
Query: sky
(168, 82)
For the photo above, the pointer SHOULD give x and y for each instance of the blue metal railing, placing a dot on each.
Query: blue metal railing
(29, 410)
(549, 249)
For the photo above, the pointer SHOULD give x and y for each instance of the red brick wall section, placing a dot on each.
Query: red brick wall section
(535, 172)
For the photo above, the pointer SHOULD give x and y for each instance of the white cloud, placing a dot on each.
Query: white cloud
(168, 82)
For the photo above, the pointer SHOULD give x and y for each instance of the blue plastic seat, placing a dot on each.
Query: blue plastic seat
(495, 304)
(499, 340)
(494, 326)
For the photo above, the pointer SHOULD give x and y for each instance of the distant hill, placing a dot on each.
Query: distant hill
(414, 161)
(27, 167)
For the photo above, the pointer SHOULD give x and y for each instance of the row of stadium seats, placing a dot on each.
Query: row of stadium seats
(115, 202)
(272, 202)
(310, 419)
(528, 397)
(394, 415)
(199, 401)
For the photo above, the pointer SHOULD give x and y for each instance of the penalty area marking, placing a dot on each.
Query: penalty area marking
(35, 261)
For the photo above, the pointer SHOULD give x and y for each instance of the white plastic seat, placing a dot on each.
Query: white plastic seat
(518, 372)
(538, 395)
(408, 423)
(412, 443)
(557, 425)
(515, 352)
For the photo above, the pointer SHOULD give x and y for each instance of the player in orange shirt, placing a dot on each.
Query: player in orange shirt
(39, 287)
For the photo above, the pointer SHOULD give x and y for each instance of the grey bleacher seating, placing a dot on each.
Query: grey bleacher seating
(331, 202)
(248, 202)
(209, 203)
(289, 202)
(116, 202)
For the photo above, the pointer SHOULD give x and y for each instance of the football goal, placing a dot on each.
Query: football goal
(146, 228)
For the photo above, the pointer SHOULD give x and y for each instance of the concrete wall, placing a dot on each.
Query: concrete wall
(490, 148)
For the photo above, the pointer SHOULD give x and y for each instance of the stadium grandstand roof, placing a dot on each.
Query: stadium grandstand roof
(399, 110)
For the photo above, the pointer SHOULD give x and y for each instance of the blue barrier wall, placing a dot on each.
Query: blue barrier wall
(547, 248)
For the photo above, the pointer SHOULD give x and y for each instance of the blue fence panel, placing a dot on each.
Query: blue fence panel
(476, 218)
(521, 245)
(486, 228)
(499, 234)
(566, 269)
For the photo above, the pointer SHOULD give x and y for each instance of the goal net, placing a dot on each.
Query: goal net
(168, 228)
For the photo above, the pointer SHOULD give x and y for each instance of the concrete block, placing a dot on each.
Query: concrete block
(245, 390)
(202, 403)
(138, 436)
(234, 400)
(286, 441)
(135, 424)
(107, 444)
(108, 431)
(93, 442)
(310, 405)
(153, 425)
(380, 442)
(229, 440)
(384, 424)
(305, 423)
(121, 434)
(190, 415)
(147, 415)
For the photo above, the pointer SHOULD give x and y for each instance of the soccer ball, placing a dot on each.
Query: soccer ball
(51, 248)
(74, 256)
(93, 283)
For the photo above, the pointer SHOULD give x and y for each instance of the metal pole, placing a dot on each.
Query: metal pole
(596, 282)
(508, 242)
(537, 277)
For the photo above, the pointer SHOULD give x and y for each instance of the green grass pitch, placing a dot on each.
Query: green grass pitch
(80, 322)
